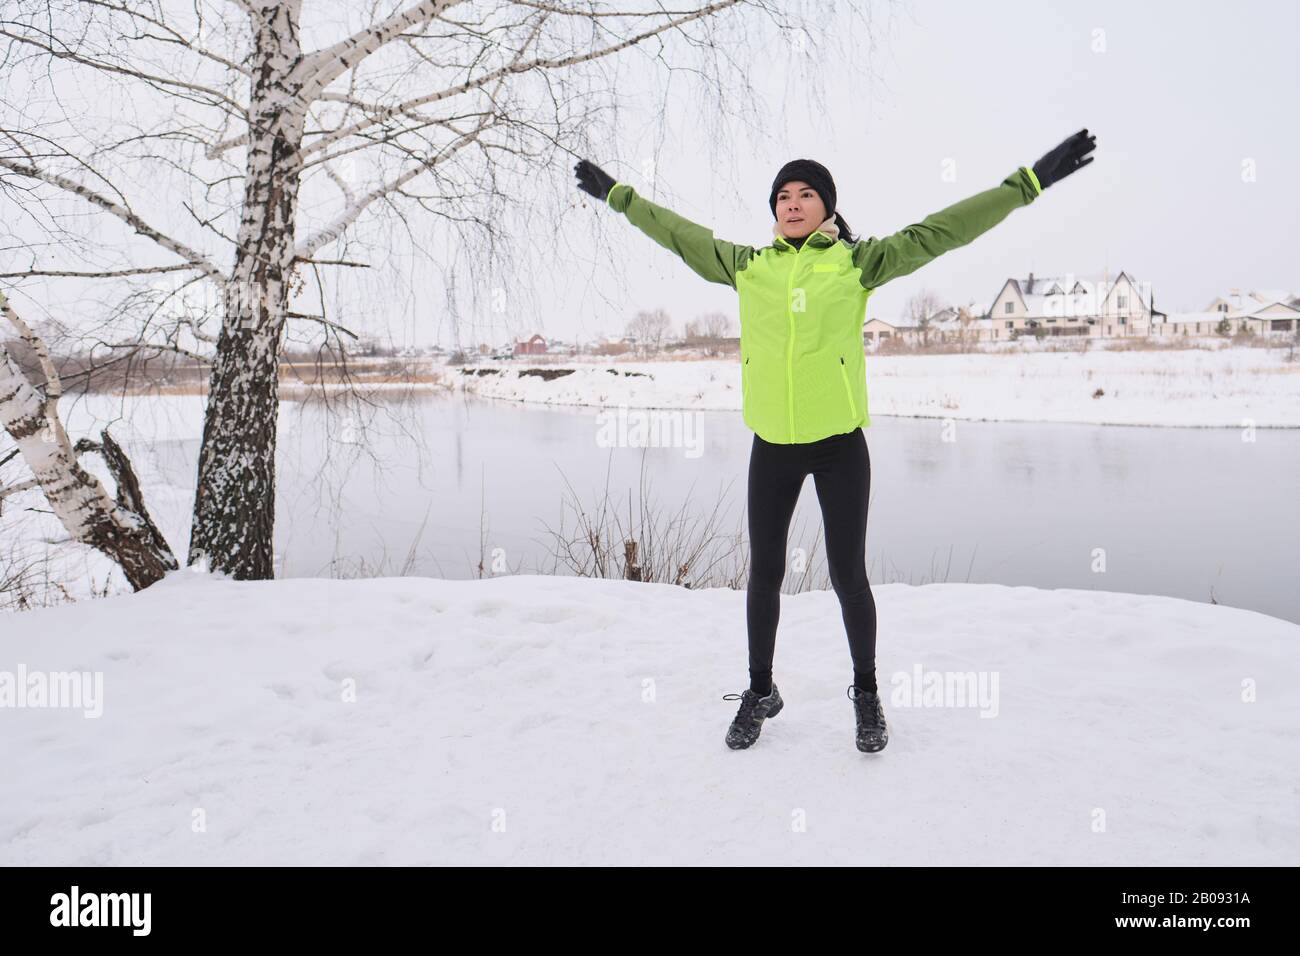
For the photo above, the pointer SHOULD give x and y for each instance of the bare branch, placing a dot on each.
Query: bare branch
(64, 53)
(135, 347)
(21, 486)
(193, 257)
(350, 214)
(194, 330)
(318, 70)
(334, 326)
(116, 274)
(386, 113)
(173, 37)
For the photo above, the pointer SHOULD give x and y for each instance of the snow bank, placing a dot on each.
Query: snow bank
(541, 720)
(1221, 387)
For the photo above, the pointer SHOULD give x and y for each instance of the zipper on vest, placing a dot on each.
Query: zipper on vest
(844, 374)
(789, 351)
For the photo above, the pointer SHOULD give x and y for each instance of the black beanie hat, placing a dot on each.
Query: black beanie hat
(811, 172)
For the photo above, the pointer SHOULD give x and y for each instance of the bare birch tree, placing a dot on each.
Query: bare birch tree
(121, 529)
(254, 103)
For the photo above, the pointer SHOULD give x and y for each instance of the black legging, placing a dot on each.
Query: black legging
(841, 470)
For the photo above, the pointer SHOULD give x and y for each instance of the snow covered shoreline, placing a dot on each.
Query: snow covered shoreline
(1221, 388)
(538, 720)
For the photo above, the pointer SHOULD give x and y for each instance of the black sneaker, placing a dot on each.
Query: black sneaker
(753, 711)
(873, 732)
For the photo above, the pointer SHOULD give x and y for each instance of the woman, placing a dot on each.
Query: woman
(803, 380)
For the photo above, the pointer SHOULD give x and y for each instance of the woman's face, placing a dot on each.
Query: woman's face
(799, 210)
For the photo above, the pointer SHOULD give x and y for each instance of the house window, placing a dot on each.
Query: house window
(1011, 324)
(1280, 325)
(1009, 308)
(1123, 320)
(1223, 307)
(1123, 301)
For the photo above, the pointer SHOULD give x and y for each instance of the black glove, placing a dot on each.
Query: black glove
(1065, 159)
(592, 179)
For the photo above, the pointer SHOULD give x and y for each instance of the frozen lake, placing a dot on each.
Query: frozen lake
(1184, 512)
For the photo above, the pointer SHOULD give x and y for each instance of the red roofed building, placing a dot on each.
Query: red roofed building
(534, 346)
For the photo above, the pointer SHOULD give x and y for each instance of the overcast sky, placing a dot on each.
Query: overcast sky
(1194, 188)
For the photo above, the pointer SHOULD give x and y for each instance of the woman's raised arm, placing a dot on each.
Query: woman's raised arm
(880, 260)
(713, 259)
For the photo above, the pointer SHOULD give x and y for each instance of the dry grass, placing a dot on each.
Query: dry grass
(674, 547)
(295, 379)
(1028, 345)
(27, 579)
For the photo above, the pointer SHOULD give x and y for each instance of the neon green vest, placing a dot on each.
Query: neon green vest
(803, 366)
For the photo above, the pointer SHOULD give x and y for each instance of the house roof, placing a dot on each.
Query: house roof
(1144, 293)
(1253, 300)
(1271, 307)
(1269, 296)
(1042, 285)
(1078, 291)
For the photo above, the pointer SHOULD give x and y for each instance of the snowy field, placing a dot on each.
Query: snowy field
(538, 720)
(1222, 387)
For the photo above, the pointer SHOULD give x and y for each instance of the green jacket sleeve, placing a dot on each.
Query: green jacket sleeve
(713, 259)
(880, 260)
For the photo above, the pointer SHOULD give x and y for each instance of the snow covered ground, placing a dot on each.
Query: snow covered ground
(533, 720)
(1221, 387)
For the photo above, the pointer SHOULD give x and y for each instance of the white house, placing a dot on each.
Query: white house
(949, 324)
(1264, 312)
(1093, 306)
(957, 323)
(875, 331)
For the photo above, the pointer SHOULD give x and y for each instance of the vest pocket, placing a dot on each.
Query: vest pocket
(848, 389)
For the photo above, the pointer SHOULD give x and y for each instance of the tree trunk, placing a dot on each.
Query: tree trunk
(76, 496)
(234, 503)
